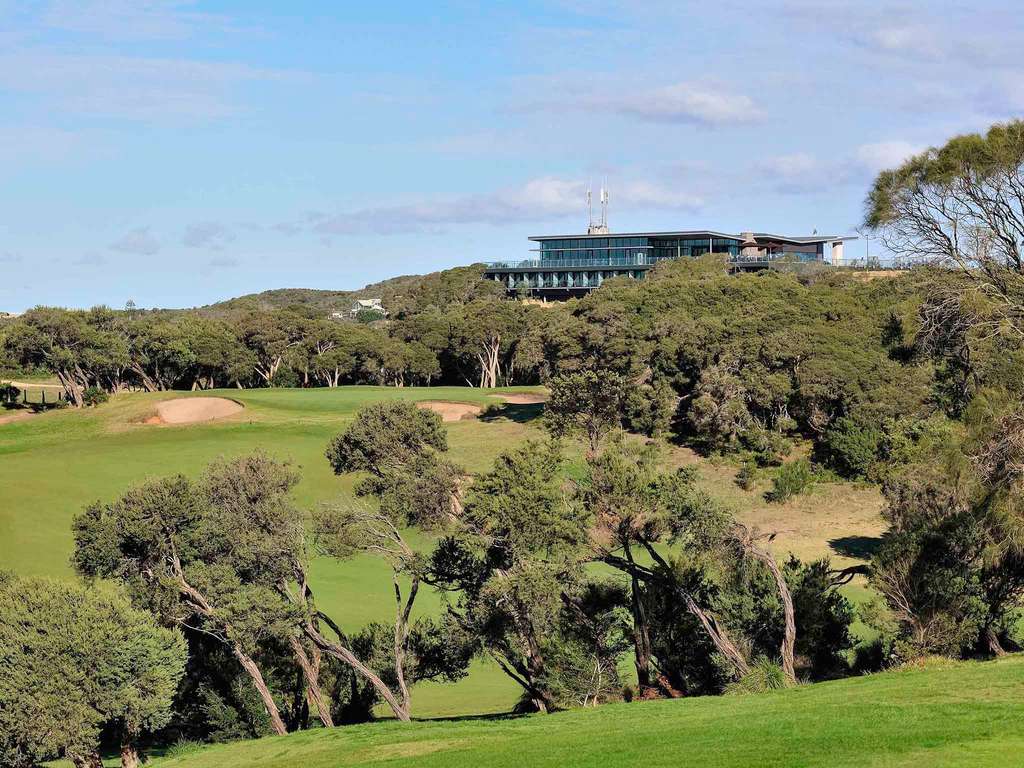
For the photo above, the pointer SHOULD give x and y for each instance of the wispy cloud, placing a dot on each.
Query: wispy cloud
(137, 242)
(694, 103)
(701, 103)
(207, 234)
(804, 173)
(127, 19)
(538, 199)
(128, 87)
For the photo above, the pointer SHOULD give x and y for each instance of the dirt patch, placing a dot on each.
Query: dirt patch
(521, 398)
(191, 410)
(450, 411)
(9, 418)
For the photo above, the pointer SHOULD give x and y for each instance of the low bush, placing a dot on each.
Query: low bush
(849, 448)
(793, 479)
(94, 396)
(764, 675)
(746, 475)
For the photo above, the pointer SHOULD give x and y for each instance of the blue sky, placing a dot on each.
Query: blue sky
(176, 153)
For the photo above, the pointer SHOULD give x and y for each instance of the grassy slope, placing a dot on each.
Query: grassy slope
(54, 464)
(969, 714)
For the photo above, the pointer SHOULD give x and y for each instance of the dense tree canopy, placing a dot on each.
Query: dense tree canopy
(74, 661)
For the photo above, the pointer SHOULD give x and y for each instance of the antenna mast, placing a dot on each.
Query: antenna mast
(598, 227)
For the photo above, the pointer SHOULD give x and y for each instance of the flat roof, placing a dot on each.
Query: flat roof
(804, 240)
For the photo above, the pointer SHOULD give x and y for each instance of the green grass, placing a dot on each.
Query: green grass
(966, 714)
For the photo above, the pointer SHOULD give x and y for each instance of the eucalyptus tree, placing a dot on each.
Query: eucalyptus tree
(515, 557)
(638, 509)
(413, 488)
(209, 557)
(586, 403)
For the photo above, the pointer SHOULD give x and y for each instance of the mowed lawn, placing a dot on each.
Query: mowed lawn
(54, 464)
(956, 714)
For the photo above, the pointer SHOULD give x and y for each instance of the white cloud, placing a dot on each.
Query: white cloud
(803, 172)
(884, 154)
(695, 103)
(137, 242)
(539, 199)
(707, 104)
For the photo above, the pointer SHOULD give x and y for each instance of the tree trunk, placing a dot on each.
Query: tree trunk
(992, 643)
(71, 389)
(723, 643)
(789, 616)
(129, 754)
(340, 652)
(276, 723)
(402, 636)
(641, 633)
(311, 674)
(91, 760)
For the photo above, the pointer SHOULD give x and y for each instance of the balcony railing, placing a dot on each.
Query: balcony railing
(638, 260)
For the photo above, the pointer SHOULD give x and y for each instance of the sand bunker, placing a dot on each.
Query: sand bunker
(450, 411)
(191, 410)
(521, 398)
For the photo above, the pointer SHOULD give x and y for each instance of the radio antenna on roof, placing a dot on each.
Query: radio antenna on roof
(599, 227)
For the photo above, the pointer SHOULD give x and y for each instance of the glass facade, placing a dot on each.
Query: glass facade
(578, 263)
(623, 251)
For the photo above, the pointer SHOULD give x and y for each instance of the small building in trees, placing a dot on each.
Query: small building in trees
(361, 305)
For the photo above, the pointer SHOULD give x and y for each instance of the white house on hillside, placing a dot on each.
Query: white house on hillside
(360, 305)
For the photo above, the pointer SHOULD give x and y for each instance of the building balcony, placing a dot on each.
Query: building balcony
(597, 262)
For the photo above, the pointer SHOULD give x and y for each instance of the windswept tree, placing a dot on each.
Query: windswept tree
(514, 559)
(206, 557)
(81, 348)
(413, 488)
(76, 661)
(586, 403)
(484, 336)
(636, 509)
(962, 203)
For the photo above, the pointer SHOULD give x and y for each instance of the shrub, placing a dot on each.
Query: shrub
(9, 393)
(850, 448)
(94, 396)
(764, 675)
(183, 748)
(746, 475)
(770, 448)
(792, 480)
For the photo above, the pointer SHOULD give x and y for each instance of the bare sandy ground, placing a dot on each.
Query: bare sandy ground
(191, 410)
(522, 398)
(7, 418)
(450, 411)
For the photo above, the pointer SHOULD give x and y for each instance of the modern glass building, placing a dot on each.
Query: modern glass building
(574, 264)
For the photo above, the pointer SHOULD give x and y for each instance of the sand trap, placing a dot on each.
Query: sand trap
(450, 411)
(522, 398)
(8, 418)
(191, 410)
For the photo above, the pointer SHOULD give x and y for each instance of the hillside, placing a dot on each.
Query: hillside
(312, 298)
(948, 715)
